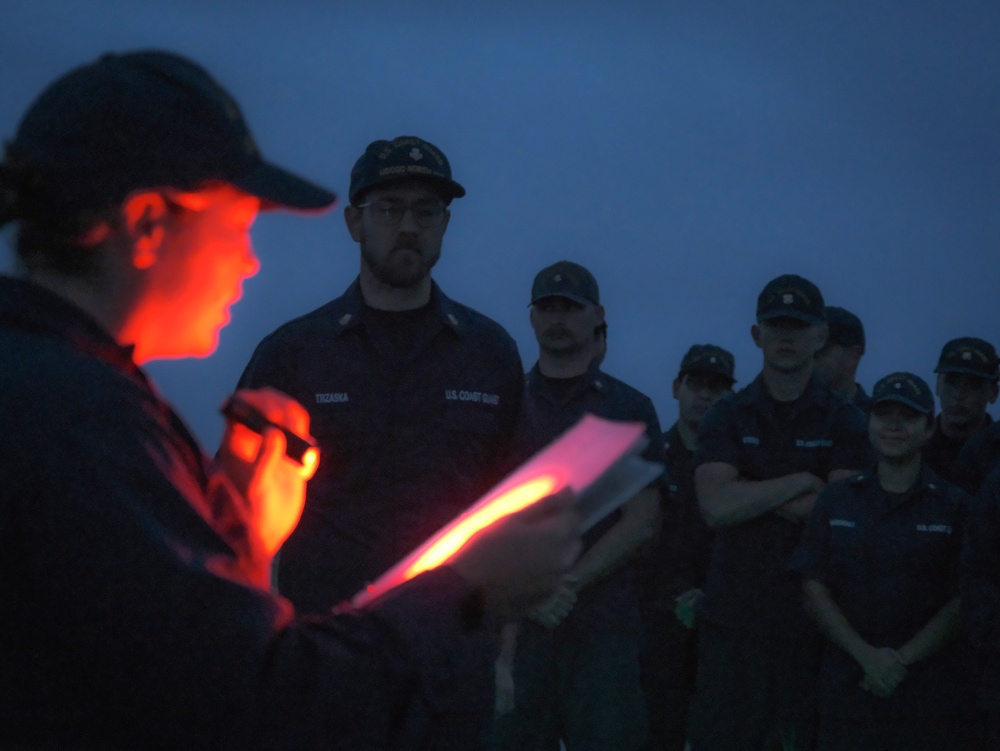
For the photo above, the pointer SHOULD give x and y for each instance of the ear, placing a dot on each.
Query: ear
(352, 218)
(938, 384)
(994, 390)
(144, 214)
(755, 334)
(447, 218)
(822, 334)
(677, 387)
(854, 353)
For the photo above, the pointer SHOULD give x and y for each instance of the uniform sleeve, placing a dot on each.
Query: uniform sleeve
(139, 596)
(654, 449)
(717, 435)
(973, 461)
(980, 567)
(812, 557)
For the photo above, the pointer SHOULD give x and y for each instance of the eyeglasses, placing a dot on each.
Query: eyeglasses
(387, 213)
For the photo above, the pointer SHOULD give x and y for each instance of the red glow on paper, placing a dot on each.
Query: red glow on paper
(576, 459)
(510, 502)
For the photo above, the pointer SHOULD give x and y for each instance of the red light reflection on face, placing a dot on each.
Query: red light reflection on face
(510, 502)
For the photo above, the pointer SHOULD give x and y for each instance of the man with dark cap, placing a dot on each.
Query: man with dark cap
(880, 563)
(968, 370)
(575, 663)
(763, 455)
(135, 570)
(673, 571)
(837, 363)
(413, 396)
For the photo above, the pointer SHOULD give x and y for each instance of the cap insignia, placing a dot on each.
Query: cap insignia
(712, 360)
(966, 355)
(557, 278)
(415, 154)
(897, 385)
(788, 298)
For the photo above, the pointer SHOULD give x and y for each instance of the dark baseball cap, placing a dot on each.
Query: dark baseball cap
(708, 358)
(971, 356)
(790, 296)
(907, 389)
(566, 279)
(845, 328)
(144, 119)
(401, 158)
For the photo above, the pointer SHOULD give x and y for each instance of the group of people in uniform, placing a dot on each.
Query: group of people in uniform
(808, 572)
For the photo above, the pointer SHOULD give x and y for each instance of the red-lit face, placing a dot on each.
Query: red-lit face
(200, 263)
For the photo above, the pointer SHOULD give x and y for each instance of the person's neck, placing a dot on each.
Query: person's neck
(848, 390)
(381, 296)
(689, 434)
(103, 301)
(786, 386)
(564, 364)
(899, 475)
(961, 432)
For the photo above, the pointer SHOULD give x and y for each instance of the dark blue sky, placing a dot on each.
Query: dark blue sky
(686, 152)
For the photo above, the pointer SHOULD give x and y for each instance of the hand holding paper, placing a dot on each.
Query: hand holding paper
(595, 458)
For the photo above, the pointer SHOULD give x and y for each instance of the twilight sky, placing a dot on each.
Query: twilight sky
(685, 152)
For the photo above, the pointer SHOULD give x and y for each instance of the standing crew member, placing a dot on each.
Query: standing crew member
(135, 569)
(413, 397)
(673, 572)
(837, 363)
(575, 664)
(763, 455)
(968, 372)
(879, 559)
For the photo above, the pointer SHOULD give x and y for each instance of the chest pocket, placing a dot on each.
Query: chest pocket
(846, 549)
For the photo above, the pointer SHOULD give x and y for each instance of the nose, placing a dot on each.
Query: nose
(408, 223)
(251, 264)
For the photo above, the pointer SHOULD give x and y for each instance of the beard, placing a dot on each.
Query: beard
(403, 267)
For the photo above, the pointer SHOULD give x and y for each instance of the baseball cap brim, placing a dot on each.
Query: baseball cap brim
(568, 295)
(277, 188)
(964, 371)
(706, 370)
(921, 408)
(796, 314)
